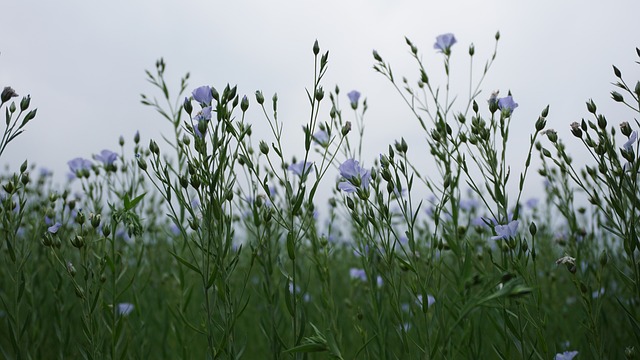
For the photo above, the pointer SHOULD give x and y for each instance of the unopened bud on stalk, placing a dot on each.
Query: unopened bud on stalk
(616, 96)
(142, 164)
(591, 106)
(106, 230)
(95, 221)
(259, 97)
(244, 104)
(71, 269)
(77, 241)
(316, 48)
(80, 218)
(625, 129)
(264, 148)
(24, 103)
(575, 129)
(346, 128)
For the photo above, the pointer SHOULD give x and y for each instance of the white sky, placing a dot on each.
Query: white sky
(83, 62)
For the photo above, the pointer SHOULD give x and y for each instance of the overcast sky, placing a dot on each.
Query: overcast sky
(83, 61)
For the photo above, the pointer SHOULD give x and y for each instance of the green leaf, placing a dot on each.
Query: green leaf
(186, 263)
(130, 204)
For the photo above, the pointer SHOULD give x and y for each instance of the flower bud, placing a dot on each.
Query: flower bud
(377, 56)
(142, 164)
(319, 93)
(541, 123)
(533, 229)
(24, 178)
(264, 148)
(575, 129)
(71, 269)
(24, 166)
(195, 182)
(186, 105)
(153, 147)
(316, 48)
(24, 104)
(106, 230)
(602, 122)
(616, 96)
(591, 106)
(136, 137)
(472, 50)
(77, 242)
(121, 140)
(80, 218)
(625, 129)
(7, 94)
(346, 128)
(95, 220)
(616, 72)
(259, 97)
(244, 104)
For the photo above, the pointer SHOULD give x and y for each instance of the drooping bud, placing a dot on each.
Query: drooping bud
(7, 94)
(575, 129)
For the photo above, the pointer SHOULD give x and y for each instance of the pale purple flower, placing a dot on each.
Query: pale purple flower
(44, 172)
(444, 43)
(106, 157)
(78, 164)
(532, 203)
(507, 105)
(54, 228)
(354, 96)
(356, 273)
(202, 115)
(506, 231)
(125, 309)
(379, 281)
(567, 355)
(301, 167)
(354, 175)
(628, 146)
(203, 95)
(321, 137)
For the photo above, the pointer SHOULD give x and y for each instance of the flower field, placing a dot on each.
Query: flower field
(213, 242)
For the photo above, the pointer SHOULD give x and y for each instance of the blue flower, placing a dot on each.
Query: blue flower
(107, 157)
(80, 166)
(301, 167)
(567, 355)
(506, 231)
(54, 228)
(354, 96)
(203, 116)
(354, 175)
(628, 146)
(125, 309)
(444, 43)
(356, 273)
(507, 105)
(321, 137)
(203, 95)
